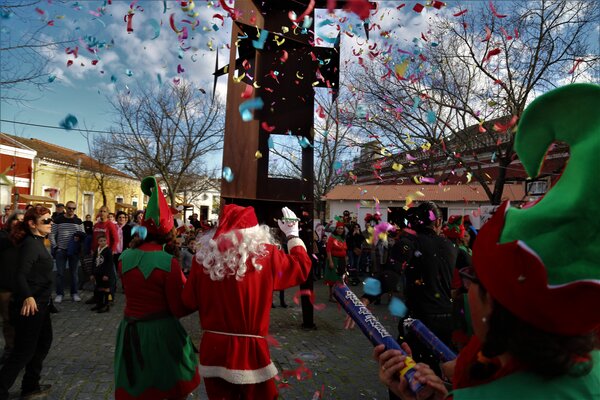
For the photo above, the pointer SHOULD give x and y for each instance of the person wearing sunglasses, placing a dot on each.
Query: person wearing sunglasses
(534, 288)
(31, 305)
(64, 228)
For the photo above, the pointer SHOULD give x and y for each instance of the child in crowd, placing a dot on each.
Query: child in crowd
(103, 269)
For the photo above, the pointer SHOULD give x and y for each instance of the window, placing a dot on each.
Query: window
(88, 204)
(285, 157)
(204, 197)
(120, 199)
(134, 201)
(537, 188)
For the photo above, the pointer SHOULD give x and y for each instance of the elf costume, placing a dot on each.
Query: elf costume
(336, 245)
(154, 356)
(542, 263)
(231, 284)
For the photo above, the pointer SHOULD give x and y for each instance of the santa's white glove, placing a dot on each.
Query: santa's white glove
(289, 223)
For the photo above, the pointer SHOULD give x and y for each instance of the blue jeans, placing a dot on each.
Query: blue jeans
(62, 258)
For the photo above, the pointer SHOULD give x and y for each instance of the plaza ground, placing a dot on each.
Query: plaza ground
(80, 363)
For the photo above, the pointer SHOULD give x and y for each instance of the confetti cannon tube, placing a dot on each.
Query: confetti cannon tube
(375, 332)
(427, 337)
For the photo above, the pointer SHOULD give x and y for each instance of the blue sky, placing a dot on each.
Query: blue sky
(139, 57)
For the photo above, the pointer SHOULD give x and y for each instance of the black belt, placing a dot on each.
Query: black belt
(131, 341)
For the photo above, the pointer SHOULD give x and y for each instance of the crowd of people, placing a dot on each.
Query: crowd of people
(516, 307)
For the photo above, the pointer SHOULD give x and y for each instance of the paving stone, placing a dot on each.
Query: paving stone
(80, 363)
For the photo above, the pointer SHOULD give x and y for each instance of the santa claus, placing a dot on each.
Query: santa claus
(231, 283)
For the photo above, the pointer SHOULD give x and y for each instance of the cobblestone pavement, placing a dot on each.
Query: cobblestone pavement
(80, 363)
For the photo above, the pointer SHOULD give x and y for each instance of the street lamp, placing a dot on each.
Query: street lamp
(78, 173)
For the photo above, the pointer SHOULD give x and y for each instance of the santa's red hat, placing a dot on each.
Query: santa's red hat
(236, 217)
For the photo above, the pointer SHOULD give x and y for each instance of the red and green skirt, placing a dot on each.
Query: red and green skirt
(332, 276)
(154, 359)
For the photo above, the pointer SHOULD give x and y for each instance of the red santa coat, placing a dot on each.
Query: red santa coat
(235, 314)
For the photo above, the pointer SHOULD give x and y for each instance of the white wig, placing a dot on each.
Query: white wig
(227, 254)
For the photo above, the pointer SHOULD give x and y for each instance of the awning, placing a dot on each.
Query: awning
(186, 206)
(29, 198)
(125, 205)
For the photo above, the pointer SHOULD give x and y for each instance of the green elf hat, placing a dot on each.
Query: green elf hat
(158, 218)
(543, 263)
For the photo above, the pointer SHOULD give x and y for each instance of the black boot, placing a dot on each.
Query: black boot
(104, 307)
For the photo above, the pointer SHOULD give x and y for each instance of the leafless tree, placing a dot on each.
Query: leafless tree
(335, 145)
(166, 132)
(25, 50)
(468, 83)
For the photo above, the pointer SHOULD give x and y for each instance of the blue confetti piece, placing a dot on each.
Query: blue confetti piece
(51, 78)
(337, 165)
(227, 174)
(397, 308)
(260, 43)
(158, 77)
(252, 104)
(372, 287)
(304, 142)
(156, 27)
(431, 117)
(69, 122)
(113, 79)
(270, 142)
(128, 72)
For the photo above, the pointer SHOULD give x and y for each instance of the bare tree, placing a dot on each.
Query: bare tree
(25, 51)
(336, 144)
(468, 91)
(167, 132)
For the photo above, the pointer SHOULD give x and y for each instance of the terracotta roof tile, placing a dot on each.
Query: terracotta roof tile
(432, 192)
(53, 152)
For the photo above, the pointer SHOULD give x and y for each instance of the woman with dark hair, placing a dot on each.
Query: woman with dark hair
(337, 258)
(8, 268)
(30, 306)
(531, 302)
(154, 356)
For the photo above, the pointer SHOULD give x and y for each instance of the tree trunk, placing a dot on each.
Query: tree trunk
(500, 180)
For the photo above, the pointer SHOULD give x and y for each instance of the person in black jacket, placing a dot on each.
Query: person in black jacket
(30, 306)
(429, 260)
(8, 269)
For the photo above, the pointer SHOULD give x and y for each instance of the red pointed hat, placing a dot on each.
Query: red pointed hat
(236, 217)
(538, 262)
(157, 217)
(455, 228)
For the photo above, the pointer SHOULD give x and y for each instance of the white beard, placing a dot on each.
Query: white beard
(245, 244)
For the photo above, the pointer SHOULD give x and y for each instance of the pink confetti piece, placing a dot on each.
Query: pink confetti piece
(494, 12)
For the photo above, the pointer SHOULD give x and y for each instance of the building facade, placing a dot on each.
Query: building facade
(59, 174)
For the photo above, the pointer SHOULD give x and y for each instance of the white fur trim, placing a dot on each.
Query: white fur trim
(295, 242)
(239, 376)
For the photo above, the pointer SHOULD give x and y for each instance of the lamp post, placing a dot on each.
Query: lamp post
(78, 173)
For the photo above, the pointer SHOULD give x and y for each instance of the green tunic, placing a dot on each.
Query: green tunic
(526, 385)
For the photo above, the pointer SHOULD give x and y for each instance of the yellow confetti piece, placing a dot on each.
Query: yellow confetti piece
(446, 189)
(469, 176)
(419, 193)
(285, 29)
(299, 76)
(400, 69)
(488, 176)
(255, 84)
(397, 167)
(257, 155)
(426, 146)
(384, 152)
(417, 179)
(239, 78)
(315, 83)
(408, 201)
(279, 42)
